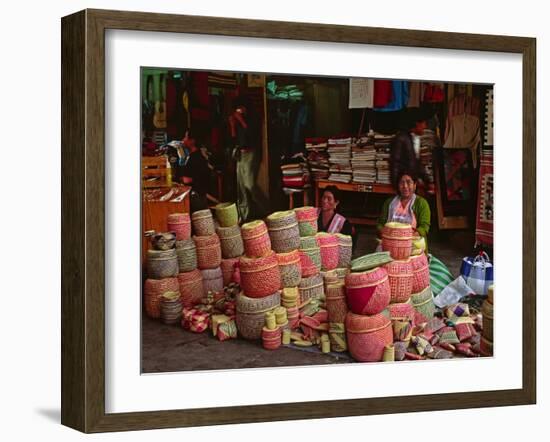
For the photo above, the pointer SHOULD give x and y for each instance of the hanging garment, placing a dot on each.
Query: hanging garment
(462, 104)
(400, 97)
(415, 89)
(399, 214)
(383, 92)
(464, 133)
(434, 92)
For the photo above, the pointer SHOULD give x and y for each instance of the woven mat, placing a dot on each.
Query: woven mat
(370, 261)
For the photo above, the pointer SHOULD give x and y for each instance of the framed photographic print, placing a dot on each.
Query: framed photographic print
(251, 221)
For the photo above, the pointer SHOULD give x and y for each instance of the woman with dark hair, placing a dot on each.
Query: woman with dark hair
(329, 220)
(407, 207)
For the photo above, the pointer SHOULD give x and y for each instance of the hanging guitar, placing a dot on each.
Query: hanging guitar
(159, 119)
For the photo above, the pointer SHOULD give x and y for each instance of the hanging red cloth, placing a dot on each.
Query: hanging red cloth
(383, 92)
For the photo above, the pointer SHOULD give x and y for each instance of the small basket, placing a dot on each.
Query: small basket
(209, 252)
(290, 268)
(283, 231)
(180, 224)
(203, 223)
(163, 241)
(256, 239)
(187, 255)
(191, 288)
(307, 220)
(271, 339)
(250, 314)
(399, 248)
(290, 297)
(162, 264)
(310, 256)
(153, 291)
(345, 248)
(171, 308)
(368, 293)
(400, 275)
(311, 288)
(227, 215)
(228, 269)
(423, 303)
(293, 315)
(367, 336)
(259, 276)
(212, 280)
(487, 315)
(336, 302)
(421, 272)
(231, 241)
(329, 249)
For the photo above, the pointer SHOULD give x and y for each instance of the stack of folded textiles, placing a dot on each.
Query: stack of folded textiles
(363, 161)
(382, 146)
(317, 157)
(295, 172)
(339, 150)
(428, 142)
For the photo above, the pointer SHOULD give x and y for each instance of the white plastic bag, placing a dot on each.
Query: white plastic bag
(452, 293)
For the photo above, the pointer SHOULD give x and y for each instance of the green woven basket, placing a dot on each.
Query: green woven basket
(423, 303)
(370, 261)
(227, 214)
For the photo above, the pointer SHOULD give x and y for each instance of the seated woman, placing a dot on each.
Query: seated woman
(407, 207)
(329, 220)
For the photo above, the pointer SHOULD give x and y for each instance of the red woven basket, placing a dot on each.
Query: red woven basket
(256, 239)
(260, 276)
(367, 336)
(180, 223)
(330, 250)
(209, 252)
(400, 275)
(395, 230)
(153, 291)
(421, 272)
(368, 293)
(191, 287)
(228, 268)
(399, 248)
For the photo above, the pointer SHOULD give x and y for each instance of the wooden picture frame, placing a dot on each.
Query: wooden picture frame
(83, 220)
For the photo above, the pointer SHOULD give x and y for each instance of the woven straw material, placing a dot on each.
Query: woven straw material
(162, 264)
(400, 275)
(368, 293)
(311, 288)
(421, 272)
(487, 316)
(227, 215)
(402, 317)
(231, 241)
(187, 255)
(228, 269)
(336, 303)
(290, 268)
(330, 277)
(398, 248)
(423, 303)
(203, 223)
(250, 314)
(490, 293)
(310, 256)
(486, 347)
(290, 297)
(209, 252)
(153, 291)
(180, 224)
(256, 239)
(259, 276)
(285, 240)
(271, 339)
(389, 353)
(367, 336)
(163, 241)
(170, 308)
(394, 230)
(337, 337)
(278, 220)
(307, 220)
(370, 261)
(330, 250)
(212, 280)
(345, 248)
(342, 273)
(191, 288)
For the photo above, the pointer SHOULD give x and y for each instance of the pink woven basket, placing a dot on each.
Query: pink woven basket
(180, 224)
(209, 252)
(367, 336)
(400, 276)
(421, 272)
(330, 250)
(271, 339)
(399, 248)
(260, 276)
(293, 316)
(307, 220)
(228, 268)
(191, 287)
(153, 291)
(395, 230)
(256, 239)
(368, 293)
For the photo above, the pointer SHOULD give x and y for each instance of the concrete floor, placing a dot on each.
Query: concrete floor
(168, 348)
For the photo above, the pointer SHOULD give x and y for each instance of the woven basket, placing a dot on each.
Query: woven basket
(421, 272)
(370, 261)
(400, 275)
(163, 241)
(212, 280)
(490, 293)
(423, 303)
(250, 313)
(336, 302)
(209, 252)
(231, 241)
(337, 337)
(368, 335)
(271, 339)
(162, 263)
(345, 248)
(290, 297)
(330, 250)
(228, 269)
(280, 220)
(256, 239)
(152, 292)
(259, 276)
(170, 308)
(187, 255)
(393, 230)
(368, 293)
(402, 315)
(203, 223)
(311, 288)
(191, 288)
(293, 315)
(330, 277)
(290, 268)
(307, 220)
(227, 215)
(180, 224)
(487, 317)
(486, 347)
(342, 273)
(283, 231)
(310, 256)
(399, 248)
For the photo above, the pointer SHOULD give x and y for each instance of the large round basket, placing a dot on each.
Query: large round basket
(187, 255)
(152, 292)
(368, 293)
(227, 215)
(283, 231)
(336, 302)
(191, 287)
(394, 230)
(311, 288)
(290, 268)
(307, 220)
(162, 263)
(170, 307)
(368, 335)
(256, 239)
(281, 219)
(397, 239)
(250, 313)
(310, 256)
(228, 269)
(400, 276)
(212, 280)
(180, 224)
(329, 248)
(203, 223)
(209, 252)
(163, 241)
(423, 303)
(487, 318)
(259, 276)
(421, 272)
(345, 246)
(231, 241)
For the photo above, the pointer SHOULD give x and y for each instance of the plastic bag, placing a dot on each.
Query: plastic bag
(452, 293)
(477, 272)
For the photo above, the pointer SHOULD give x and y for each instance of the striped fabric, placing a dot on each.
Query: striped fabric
(440, 276)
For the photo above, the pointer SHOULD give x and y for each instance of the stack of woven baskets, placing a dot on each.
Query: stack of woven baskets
(231, 241)
(209, 252)
(486, 343)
